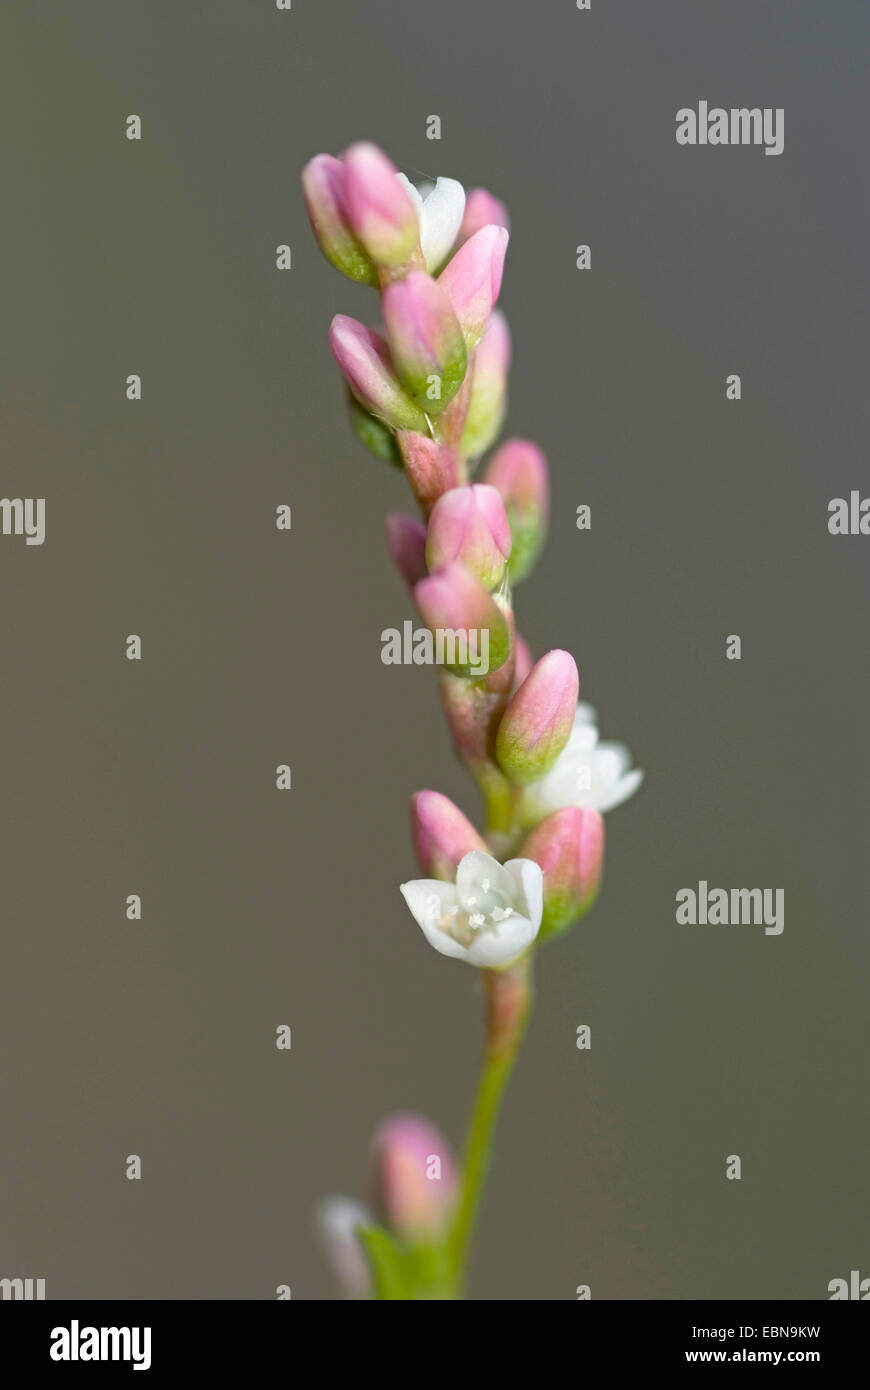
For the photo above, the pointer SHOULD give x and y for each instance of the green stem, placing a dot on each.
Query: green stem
(508, 1000)
(498, 795)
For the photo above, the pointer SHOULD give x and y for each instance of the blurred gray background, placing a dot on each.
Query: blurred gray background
(709, 518)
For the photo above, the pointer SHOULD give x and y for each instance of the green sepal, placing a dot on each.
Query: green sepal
(527, 539)
(483, 422)
(418, 385)
(377, 437)
(561, 912)
(347, 256)
(498, 651)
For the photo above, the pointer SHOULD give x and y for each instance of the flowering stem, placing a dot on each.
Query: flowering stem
(508, 1001)
(499, 798)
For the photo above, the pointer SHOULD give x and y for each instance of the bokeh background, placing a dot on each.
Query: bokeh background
(157, 778)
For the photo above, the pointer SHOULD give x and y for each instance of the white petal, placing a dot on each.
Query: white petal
(413, 193)
(528, 878)
(585, 714)
(621, 791)
(429, 900)
(503, 943)
(611, 761)
(583, 738)
(339, 1217)
(338, 1220)
(440, 220)
(569, 783)
(477, 869)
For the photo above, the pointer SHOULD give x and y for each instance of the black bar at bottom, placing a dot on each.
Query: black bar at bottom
(220, 1338)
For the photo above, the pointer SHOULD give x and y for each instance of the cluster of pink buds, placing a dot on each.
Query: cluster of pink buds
(427, 391)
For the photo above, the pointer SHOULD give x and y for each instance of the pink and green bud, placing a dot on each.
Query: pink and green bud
(442, 835)
(488, 401)
(414, 1178)
(365, 360)
(569, 846)
(469, 525)
(472, 280)
(539, 718)
(519, 470)
(372, 433)
(431, 467)
(323, 186)
(381, 214)
(425, 339)
(406, 543)
(482, 210)
(460, 611)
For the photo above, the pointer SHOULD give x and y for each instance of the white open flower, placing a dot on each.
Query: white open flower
(488, 916)
(440, 207)
(586, 773)
(338, 1221)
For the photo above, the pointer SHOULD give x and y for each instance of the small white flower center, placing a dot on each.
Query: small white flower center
(486, 906)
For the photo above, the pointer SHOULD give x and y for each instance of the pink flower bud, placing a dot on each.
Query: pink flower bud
(539, 718)
(414, 1178)
(519, 470)
(472, 280)
(469, 525)
(323, 186)
(473, 629)
(488, 401)
(425, 339)
(381, 213)
(365, 360)
(406, 542)
(431, 467)
(442, 835)
(569, 846)
(482, 210)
